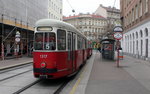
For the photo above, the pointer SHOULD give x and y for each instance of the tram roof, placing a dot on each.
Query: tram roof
(57, 23)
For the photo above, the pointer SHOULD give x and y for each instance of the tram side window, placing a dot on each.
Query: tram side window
(69, 46)
(69, 41)
(79, 39)
(61, 39)
(78, 42)
(38, 44)
(83, 43)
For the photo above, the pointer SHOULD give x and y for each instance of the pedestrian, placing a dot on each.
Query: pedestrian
(99, 49)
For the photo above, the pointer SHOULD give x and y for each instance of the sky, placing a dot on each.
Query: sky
(85, 6)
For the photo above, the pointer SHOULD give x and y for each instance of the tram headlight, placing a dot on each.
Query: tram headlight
(43, 65)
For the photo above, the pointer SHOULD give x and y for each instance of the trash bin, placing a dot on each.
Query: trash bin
(120, 54)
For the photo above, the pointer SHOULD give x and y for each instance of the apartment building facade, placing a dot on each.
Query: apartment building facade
(112, 14)
(135, 17)
(92, 26)
(55, 9)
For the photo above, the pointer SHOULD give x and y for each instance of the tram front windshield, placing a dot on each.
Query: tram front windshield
(45, 41)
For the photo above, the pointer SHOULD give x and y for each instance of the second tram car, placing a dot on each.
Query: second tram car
(59, 49)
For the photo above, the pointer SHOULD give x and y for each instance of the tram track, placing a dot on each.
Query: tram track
(26, 87)
(61, 87)
(61, 84)
(14, 75)
(57, 91)
(14, 68)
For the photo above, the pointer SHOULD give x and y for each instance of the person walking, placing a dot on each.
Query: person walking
(99, 49)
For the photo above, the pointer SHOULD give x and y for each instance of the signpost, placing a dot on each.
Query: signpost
(118, 29)
(17, 40)
(118, 35)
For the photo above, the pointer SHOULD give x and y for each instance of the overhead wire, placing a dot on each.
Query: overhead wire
(113, 8)
(113, 11)
(70, 6)
(114, 3)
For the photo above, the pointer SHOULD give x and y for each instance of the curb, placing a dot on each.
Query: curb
(15, 65)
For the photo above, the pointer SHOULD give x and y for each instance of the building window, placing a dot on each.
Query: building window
(136, 12)
(146, 32)
(130, 17)
(141, 47)
(141, 33)
(137, 47)
(133, 36)
(140, 8)
(146, 46)
(136, 35)
(146, 6)
(133, 14)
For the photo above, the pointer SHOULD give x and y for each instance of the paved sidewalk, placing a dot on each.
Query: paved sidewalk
(132, 77)
(14, 62)
(138, 69)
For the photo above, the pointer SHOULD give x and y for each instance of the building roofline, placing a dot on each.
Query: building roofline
(84, 16)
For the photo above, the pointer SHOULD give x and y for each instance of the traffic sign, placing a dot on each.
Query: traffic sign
(118, 29)
(118, 35)
(17, 39)
(17, 36)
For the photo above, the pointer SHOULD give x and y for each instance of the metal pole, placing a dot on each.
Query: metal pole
(15, 42)
(27, 40)
(15, 50)
(117, 53)
(2, 45)
(2, 53)
(117, 57)
(21, 41)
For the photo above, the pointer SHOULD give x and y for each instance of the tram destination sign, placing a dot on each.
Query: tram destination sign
(118, 29)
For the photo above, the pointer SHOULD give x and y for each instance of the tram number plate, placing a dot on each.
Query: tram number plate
(43, 56)
(43, 76)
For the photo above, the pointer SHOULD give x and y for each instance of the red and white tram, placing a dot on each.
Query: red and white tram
(59, 49)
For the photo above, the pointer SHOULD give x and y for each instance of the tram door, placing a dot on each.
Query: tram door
(71, 50)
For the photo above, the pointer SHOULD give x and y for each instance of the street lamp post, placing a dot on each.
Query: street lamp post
(17, 40)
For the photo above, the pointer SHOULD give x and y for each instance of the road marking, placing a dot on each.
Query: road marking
(77, 83)
(80, 77)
